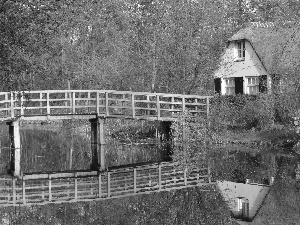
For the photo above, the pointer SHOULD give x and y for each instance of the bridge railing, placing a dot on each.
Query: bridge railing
(105, 103)
(73, 186)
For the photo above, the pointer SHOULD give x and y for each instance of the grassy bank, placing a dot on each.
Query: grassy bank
(186, 206)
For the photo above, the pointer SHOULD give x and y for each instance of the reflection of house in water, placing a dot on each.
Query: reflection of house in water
(245, 196)
(244, 200)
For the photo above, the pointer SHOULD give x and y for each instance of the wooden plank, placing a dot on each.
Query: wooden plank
(60, 175)
(183, 104)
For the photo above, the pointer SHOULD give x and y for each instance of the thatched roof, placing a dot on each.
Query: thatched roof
(277, 45)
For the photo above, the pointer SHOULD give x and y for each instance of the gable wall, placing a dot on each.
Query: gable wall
(250, 67)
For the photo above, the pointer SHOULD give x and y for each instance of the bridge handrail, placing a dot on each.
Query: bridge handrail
(107, 103)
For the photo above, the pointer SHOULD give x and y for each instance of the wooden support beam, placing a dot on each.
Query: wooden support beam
(15, 145)
(98, 144)
(101, 124)
(94, 144)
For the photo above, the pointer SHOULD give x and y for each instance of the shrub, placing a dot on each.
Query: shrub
(242, 111)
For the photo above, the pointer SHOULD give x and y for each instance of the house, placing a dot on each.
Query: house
(259, 58)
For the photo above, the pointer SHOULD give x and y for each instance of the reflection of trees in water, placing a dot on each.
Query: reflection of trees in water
(237, 166)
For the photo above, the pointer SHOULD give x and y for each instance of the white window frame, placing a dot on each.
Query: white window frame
(229, 84)
(251, 84)
(240, 50)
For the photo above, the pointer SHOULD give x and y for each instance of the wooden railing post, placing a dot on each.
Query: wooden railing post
(132, 106)
(6, 104)
(159, 177)
(41, 103)
(50, 193)
(183, 104)
(108, 184)
(99, 186)
(172, 105)
(75, 185)
(21, 105)
(48, 104)
(14, 190)
(207, 111)
(209, 174)
(73, 103)
(88, 101)
(134, 180)
(158, 107)
(12, 108)
(106, 104)
(148, 105)
(185, 176)
(97, 103)
(23, 190)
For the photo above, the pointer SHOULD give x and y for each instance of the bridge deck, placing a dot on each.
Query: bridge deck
(87, 104)
(92, 185)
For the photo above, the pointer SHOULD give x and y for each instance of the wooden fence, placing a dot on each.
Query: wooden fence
(65, 104)
(91, 185)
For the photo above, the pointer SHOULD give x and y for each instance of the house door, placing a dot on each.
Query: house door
(239, 85)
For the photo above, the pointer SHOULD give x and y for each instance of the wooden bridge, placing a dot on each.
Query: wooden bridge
(89, 104)
(96, 106)
(71, 186)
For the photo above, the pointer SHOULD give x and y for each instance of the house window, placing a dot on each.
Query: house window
(230, 86)
(252, 85)
(240, 50)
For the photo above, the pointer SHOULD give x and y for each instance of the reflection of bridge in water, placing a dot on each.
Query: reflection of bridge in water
(96, 106)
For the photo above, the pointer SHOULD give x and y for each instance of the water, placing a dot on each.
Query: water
(58, 148)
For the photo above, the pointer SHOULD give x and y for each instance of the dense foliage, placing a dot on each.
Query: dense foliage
(166, 46)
